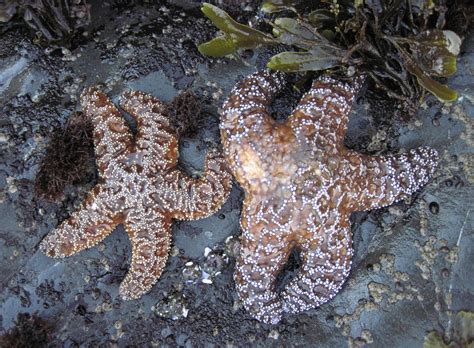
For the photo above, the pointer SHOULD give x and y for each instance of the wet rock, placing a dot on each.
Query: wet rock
(411, 270)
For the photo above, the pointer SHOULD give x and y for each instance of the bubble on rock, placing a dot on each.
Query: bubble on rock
(191, 272)
(214, 264)
(232, 247)
(172, 307)
(207, 281)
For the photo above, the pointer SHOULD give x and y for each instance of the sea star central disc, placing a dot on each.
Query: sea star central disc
(301, 185)
(139, 186)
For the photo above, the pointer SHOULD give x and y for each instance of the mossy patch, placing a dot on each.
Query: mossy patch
(30, 330)
(69, 158)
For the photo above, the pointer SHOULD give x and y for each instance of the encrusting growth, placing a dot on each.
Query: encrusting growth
(139, 186)
(301, 185)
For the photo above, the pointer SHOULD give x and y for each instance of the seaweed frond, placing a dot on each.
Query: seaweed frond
(400, 45)
(69, 157)
(53, 20)
(185, 110)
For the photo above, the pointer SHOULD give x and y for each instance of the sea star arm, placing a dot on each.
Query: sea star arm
(326, 260)
(112, 137)
(86, 227)
(264, 250)
(248, 131)
(322, 115)
(244, 117)
(382, 180)
(244, 113)
(150, 235)
(195, 198)
(156, 140)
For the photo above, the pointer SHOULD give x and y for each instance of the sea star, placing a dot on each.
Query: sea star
(139, 186)
(301, 185)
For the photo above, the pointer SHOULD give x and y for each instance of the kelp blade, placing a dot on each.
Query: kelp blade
(442, 92)
(235, 36)
(435, 51)
(217, 47)
(272, 6)
(302, 61)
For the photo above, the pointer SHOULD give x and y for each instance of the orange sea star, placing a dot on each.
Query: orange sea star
(139, 186)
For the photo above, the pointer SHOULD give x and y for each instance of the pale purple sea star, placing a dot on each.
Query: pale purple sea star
(301, 185)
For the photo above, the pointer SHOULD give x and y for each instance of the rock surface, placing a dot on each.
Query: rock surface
(412, 269)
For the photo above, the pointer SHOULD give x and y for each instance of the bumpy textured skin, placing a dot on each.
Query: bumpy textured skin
(301, 185)
(139, 186)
